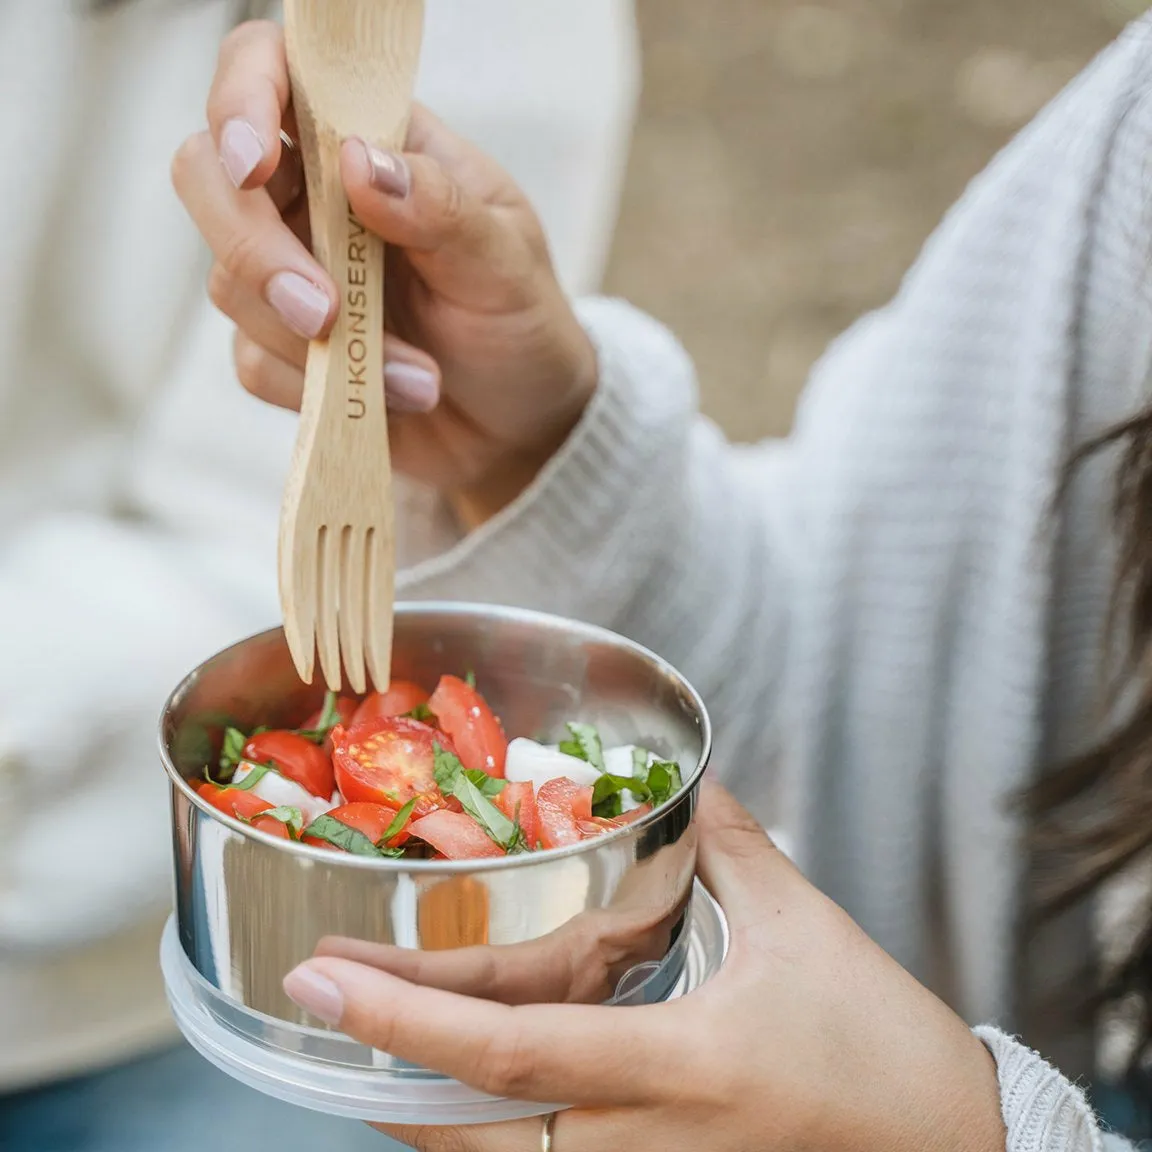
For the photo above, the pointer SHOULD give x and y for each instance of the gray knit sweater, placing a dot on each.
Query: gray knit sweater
(883, 605)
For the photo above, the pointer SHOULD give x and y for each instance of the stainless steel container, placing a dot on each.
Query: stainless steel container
(600, 922)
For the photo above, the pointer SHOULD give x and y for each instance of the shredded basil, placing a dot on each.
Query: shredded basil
(329, 718)
(453, 779)
(606, 796)
(333, 831)
(640, 763)
(232, 749)
(399, 823)
(470, 679)
(585, 745)
(422, 713)
(664, 781)
(654, 785)
(258, 772)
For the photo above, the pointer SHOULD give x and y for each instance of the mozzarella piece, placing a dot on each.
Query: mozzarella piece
(529, 761)
(281, 792)
(539, 763)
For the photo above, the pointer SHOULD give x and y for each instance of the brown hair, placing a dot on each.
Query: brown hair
(1092, 817)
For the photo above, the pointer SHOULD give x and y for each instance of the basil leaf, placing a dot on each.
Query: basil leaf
(333, 831)
(454, 780)
(519, 842)
(446, 769)
(585, 745)
(422, 713)
(232, 750)
(291, 817)
(606, 798)
(489, 785)
(329, 718)
(640, 763)
(398, 824)
(470, 679)
(259, 771)
(664, 781)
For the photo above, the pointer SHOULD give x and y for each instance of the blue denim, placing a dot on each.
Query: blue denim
(1125, 1109)
(174, 1102)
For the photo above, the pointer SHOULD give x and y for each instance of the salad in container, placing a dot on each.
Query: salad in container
(514, 815)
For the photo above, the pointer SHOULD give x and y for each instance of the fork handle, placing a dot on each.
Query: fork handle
(344, 381)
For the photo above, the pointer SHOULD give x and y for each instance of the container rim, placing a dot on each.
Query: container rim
(448, 609)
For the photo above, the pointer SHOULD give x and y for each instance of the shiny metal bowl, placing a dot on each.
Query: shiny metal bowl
(601, 922)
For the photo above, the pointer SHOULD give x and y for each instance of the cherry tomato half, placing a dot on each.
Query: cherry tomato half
(295, 758)
(465, 716)
(389, 762)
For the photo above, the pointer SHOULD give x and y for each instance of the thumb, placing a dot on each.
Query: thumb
(458, 242)
(738, 862)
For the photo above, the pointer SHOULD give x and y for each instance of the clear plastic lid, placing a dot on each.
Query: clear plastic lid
(331, 1073)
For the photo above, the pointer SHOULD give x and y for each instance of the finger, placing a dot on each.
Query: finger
(255, 317)
(738, 862)
(552, 1053)
(412, 202)
(407, 373)
(255, 247)
(265, 375)
(582, 962)
(246, 104)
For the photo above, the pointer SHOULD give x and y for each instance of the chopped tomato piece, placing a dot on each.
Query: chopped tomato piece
(455, 835)
(402, 697)
(272, 826)
(598, 825)
(234, 802)
(389, 762)
(296, 759)
(371, 819)
(562, 806)
(244, 806)
(475, 730)
(518, 801)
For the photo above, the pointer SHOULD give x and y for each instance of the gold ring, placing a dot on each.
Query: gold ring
(547, 1132)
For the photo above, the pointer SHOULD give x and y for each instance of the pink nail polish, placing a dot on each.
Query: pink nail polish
(410, 388)
(315, 994)
(241, 150)
(302, 305)
(390, 173)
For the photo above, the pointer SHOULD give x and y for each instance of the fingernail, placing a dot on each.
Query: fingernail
(302, 305)
(314, 993)
(241, 150)
(410, 388)
(390, 173)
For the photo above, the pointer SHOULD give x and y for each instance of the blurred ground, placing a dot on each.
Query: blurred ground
(792, 157)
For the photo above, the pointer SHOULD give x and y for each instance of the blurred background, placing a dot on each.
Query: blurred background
(792, 157)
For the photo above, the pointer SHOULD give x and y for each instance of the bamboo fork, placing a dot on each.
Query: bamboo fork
(352, 66)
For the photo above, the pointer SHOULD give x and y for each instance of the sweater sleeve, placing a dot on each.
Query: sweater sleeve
(1043, 1111)
(649, 522)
